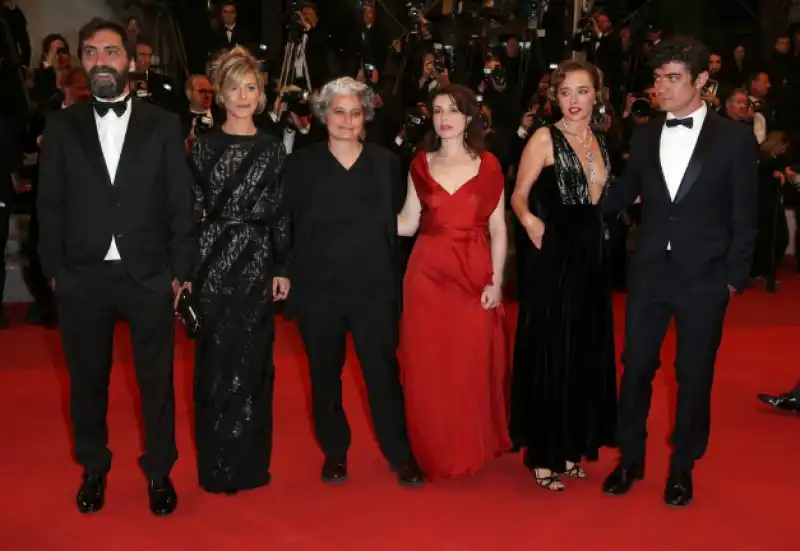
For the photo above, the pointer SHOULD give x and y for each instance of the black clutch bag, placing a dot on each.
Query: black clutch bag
(187, 314)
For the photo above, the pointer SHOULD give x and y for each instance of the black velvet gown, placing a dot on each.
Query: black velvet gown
(244, 243)
(563, 388)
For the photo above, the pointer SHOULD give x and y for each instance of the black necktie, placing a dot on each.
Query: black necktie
(687, 122)
(119, 107)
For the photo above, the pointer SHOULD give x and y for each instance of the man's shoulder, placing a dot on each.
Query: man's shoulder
(732, 128)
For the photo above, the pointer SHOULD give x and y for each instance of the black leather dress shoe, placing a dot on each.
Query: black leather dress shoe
(92, 493)
(785, 402)
(408, 473)
(163, 498)
(334, 470)
(679, 491)
(621, 479)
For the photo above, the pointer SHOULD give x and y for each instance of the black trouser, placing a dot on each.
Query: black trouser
(37, 283)
(89, 305)
(5, 221)
(698, 306)
(373, 323)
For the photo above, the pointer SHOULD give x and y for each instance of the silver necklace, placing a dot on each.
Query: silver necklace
(588, 155)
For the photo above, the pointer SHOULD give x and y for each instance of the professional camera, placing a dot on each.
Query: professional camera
(202, 124)
(296, 100)
(369, 73)
(415, 125)
(585, 27)
(138, 85)
(294, 24)
(640, 107)
(496, 75)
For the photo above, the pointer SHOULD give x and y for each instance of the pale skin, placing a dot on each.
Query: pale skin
(452, 166)
(241, 99)
(576, 97)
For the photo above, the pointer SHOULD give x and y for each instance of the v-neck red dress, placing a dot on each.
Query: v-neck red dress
(455, 365)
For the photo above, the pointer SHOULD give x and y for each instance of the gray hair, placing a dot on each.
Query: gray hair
(346, 86)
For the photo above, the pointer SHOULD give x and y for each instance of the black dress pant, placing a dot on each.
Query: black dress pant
(89, 306)
(5, 221)
(373, 323)
(37, 283)
(698, 306)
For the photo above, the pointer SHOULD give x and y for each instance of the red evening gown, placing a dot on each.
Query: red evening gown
(455, 368)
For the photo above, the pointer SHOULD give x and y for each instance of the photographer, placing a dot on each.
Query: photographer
(603, 47)
(47, 77)
(289, 119)
(149, 85)
(431, 76)
(199, 117)
(500, 98)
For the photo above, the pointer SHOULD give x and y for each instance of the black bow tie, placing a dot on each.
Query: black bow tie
(687, 122)
(103, 107)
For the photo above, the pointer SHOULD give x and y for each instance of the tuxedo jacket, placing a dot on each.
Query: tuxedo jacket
(712, 223)
(147, 209)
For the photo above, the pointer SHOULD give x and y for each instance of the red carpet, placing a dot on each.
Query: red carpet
(747, 487)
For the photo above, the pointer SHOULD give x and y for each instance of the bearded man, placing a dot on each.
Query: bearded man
(116, 224)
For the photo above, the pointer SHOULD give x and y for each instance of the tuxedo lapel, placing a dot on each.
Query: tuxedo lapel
(654, 154)
(90, 141)
(139, 128)
(701, 150)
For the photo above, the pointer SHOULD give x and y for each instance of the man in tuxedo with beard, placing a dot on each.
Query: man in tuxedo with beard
(696, 174)
(115, 212)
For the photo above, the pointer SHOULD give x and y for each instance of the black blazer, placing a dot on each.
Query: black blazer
(712, 223)
(148, 209)
(301, 176)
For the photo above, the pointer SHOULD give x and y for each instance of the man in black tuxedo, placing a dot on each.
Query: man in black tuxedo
(115, 212)
(696, 174)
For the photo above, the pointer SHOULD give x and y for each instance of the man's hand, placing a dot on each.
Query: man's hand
(732, 290)
(280, 288)
(177, 289)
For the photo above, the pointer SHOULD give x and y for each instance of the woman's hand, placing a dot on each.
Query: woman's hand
(534, 227)
(491, 297)
(280, 288)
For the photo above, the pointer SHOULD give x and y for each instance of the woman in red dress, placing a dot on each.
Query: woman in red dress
(453, 341)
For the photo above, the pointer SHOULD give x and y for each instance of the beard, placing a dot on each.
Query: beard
(106, 82)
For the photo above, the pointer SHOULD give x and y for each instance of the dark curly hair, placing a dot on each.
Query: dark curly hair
(689, 51)
(467, 104)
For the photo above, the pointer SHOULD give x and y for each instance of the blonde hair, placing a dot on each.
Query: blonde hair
(230, 68)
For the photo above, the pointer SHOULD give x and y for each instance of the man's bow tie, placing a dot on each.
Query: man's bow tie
(103, 107)
(687, 122)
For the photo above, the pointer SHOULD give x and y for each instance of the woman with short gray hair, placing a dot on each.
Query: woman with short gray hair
(341, 195)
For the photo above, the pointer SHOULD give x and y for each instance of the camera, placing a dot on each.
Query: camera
(585, 27)
(640, 107)
(202, 124)
(369, 73)
(414, 126)
(296, 100)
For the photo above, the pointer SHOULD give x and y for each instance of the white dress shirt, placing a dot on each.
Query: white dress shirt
(677, 146)
(111, 131)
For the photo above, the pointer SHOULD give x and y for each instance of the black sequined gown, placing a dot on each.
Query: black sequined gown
(563, 390)
(244, 243)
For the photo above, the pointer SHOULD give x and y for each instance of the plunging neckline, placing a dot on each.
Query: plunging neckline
(462, 186)
(583, 168)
